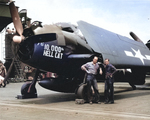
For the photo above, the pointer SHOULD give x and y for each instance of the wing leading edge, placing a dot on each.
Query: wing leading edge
(121, 50)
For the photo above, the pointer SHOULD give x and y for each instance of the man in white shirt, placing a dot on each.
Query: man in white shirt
(91, 70)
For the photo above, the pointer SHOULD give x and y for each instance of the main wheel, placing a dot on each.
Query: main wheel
(82, 92)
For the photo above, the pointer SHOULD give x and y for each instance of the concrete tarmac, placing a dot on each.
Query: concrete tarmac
(129, 104)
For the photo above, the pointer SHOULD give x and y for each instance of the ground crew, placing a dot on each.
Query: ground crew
(109, 80)
(91, 70)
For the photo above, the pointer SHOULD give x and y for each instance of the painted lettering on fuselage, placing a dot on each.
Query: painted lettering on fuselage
(53, 51)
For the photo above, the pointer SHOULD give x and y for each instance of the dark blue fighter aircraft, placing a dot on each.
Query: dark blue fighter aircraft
(59, 48)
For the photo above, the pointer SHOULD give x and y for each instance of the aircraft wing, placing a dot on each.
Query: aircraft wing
(121, 50)
(5, 17)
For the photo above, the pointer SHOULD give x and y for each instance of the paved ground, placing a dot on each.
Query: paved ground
(129, 105)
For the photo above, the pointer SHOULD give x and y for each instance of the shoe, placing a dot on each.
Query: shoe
(111, 102)
(106, 102)
(3, 84)
(98, 102)
(90, 102)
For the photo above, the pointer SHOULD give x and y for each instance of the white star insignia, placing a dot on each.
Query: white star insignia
(137, 55)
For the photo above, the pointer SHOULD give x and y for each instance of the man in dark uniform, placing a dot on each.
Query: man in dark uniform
(91, 70)
(109, 88)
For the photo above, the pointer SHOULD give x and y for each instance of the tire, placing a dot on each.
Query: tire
(81, 92)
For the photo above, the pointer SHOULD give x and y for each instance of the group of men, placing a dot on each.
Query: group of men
(91, 69)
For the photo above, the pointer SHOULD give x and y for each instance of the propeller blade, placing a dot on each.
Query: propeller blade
(9, 70)
(16, 18)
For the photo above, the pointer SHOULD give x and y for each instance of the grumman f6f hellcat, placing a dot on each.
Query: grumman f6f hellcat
(61, 49)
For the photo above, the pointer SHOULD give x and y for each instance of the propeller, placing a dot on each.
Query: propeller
(21, 32)
(16, 38)
(17, 23)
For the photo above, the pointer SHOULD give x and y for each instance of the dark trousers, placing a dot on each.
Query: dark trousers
(91, 81)
(109, 90)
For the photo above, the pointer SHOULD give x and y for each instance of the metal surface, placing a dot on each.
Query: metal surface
(52, 29)
(121, 50)
(5, 17)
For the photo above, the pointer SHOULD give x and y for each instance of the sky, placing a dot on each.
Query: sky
(118, 16)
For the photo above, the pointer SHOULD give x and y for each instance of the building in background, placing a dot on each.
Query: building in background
(2, 46)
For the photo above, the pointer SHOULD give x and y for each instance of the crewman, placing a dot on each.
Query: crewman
(109, 80)
(91, 70)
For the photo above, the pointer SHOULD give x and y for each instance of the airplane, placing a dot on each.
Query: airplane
(60, 48)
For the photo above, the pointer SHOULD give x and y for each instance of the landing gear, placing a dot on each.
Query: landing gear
(28, 90)
(130, 78)
(132, 85)
(82, 92)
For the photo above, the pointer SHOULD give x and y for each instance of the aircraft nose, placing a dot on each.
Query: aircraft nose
(29, 46)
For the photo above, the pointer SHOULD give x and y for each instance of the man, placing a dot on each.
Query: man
(109, 89)
(91, 70)
(2, 74)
